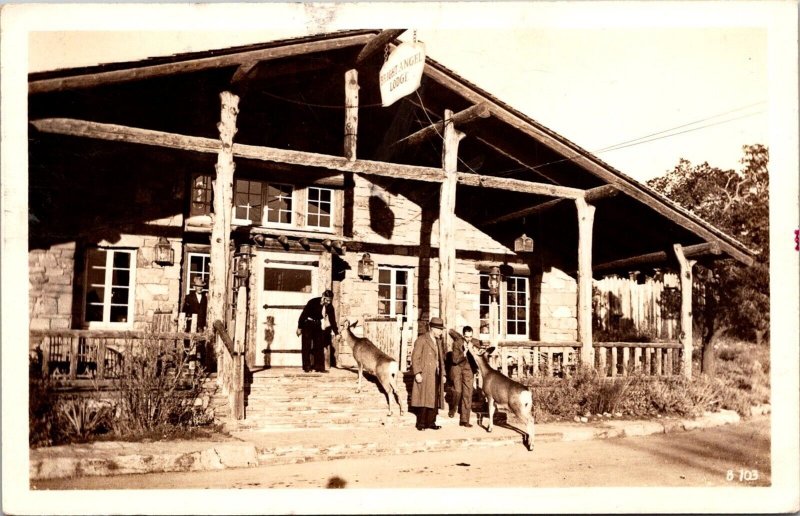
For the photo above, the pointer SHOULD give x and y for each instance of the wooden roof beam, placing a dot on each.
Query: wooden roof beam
(593, 194)
(111, 132)
(646, 196)
(88, 80)
(378, 42)
(692, 251)
(462, 117)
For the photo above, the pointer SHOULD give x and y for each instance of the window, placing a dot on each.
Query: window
(516, 308)
(201, 195)
(279, 204)
(484, 304)
(512, 306)
(198, 267)
(109, 287)
(287, 280)
(394, 291)
(247, 203)
(320, 208)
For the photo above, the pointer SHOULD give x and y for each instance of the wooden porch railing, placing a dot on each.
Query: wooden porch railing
(532, 359)
(80, 356)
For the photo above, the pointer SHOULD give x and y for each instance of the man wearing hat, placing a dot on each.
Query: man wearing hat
(427, 364)
(316, 322)
(196, 302)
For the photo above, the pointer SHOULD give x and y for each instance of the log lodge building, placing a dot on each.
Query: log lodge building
(273, 172)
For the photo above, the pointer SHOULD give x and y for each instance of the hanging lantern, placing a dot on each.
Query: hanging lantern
(523, 244)
(243, 261)
(366, 267)
(494, 281)
(164, 254)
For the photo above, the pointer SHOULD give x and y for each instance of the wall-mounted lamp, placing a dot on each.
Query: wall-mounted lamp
(494, 281)
(523, 244)
(164, 254)
(366, 267)
(242, 269)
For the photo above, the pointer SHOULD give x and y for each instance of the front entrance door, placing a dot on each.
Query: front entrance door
(286, 282)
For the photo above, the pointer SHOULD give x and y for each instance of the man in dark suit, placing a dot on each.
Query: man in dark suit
(196, 302)
(427, 364)
(463, 373)
(316, 322)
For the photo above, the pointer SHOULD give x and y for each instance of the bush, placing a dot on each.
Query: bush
(81, 418)
(154, 393)
(42, 414)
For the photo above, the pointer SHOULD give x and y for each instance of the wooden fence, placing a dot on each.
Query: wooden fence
(531, 360)
(95, 355)
(393, 336)
(625, 306)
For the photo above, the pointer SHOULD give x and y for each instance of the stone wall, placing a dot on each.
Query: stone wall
(51, 277)
(554, 296)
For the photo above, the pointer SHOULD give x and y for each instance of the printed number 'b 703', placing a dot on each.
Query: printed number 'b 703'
(742, 475)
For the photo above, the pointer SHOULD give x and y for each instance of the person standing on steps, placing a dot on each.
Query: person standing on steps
(316, 322)
(427, 364)
(196, 303)
(463, 373)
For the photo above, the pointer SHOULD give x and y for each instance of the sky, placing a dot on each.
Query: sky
(696, 92)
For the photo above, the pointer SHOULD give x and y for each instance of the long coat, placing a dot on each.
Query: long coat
(192, 306)
(426, 358)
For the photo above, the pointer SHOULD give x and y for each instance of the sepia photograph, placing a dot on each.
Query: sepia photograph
(395, 258)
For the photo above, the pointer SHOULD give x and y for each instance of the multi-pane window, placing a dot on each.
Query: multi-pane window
(109, 286)
(247, 201)
(201, 195)
(279, 203)
(394, 291)
(516, 308)
(320, 208)
(198, 268)
(484, 303)
(512, 306)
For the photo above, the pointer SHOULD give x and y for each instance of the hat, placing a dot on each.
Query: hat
(328, 293)
(198, 281)
(437, 322)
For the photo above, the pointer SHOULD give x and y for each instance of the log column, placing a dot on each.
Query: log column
(221, 221)
(447, 224)
(686, 308)
(350, 114)
(585, 225)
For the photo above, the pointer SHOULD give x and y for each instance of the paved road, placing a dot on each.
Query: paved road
(728, 455)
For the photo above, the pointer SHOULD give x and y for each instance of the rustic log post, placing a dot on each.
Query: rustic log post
(221, 228)
(686, 307)
(601, 363)
(350, 114)
(447, 224)
(240, 334)
(585, 224)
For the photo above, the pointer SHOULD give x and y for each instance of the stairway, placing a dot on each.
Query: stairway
(286, 399)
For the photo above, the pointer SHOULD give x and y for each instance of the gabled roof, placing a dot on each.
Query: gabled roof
(77, 78)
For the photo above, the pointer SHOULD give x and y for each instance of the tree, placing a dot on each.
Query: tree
(729, 297)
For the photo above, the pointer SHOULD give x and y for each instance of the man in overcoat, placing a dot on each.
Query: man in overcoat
(427, 364)
(315, 324)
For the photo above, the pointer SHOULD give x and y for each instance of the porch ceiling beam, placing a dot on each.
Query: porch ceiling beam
(594, 194)
(378, 42)
(692, 251)
(193, 65)
(658, 203)
(462, 117)
(111, 132)
(492, 146)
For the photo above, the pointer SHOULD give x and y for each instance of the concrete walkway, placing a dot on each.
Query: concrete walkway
(251, 448)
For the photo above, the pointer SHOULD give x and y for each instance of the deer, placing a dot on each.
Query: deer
(500, 389)
(369, 357)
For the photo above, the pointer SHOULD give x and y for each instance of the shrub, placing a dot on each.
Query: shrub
(42, 422)
(154, 392)
(80, 418)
